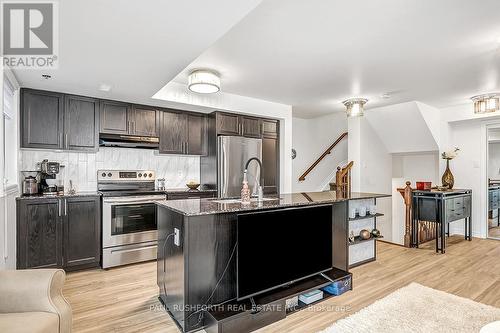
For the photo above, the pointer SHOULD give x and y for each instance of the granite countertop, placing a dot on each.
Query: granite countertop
(194, 207)
(66, 195)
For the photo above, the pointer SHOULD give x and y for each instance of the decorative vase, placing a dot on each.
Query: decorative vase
(448, 179)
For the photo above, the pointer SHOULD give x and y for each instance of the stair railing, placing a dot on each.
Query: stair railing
(327, 152)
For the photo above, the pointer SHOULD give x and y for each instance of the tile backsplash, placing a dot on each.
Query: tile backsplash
(82, 168)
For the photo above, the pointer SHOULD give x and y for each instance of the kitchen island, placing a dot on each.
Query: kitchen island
(197, 257)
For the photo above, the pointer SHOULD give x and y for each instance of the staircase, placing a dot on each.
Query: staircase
(326, 153)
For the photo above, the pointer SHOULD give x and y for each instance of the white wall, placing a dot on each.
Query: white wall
(467, 171)
(9, 192)
(177, 95)
(372, 168)
(494, 160)
(311, 137)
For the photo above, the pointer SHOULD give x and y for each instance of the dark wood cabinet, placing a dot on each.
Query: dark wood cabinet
(144, 121)
(173, 129)
(82, 232)
(39, 234)
(60, 232)
(56, 121)
(227, 123)
(183, 133)
(270, 128)
(81, 123)
(250, 127)
(114, 118)
(42, 119)
(270, 164)
(233, 124)
(197, 134)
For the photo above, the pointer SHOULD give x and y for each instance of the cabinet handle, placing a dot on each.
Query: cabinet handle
(187, 147)
(65, 207)
(133, 127)
(59, 206)
(61, 140)
(66, 140)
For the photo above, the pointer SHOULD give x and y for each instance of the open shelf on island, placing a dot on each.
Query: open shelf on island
(368, 216)
(358, 240)
(297, 288)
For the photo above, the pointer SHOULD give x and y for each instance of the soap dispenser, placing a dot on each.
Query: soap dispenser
(245, 190)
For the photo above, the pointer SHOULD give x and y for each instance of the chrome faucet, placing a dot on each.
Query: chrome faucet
(259, 184)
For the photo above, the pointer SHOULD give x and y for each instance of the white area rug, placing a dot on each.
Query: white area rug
(416, 308)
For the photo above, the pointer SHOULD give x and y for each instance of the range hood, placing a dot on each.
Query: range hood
(128, 141)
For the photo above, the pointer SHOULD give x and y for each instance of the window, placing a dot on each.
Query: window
(9, 134)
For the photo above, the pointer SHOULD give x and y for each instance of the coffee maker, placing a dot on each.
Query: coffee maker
(50, 181)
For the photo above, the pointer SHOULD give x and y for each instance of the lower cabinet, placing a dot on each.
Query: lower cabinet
(59, 232)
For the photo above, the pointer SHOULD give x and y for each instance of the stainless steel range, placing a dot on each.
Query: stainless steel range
(129, 232)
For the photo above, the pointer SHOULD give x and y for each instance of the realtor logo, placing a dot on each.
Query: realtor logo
(29, 34)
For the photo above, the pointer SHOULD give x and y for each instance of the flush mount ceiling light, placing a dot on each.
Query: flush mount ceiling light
(486, 103)
(204, 81)
(355, 106)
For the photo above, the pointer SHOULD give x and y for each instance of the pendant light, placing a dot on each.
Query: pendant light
(486, 103)
(204, 81)
(355, 106)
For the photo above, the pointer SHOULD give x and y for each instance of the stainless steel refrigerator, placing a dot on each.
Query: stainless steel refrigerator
(233, 152)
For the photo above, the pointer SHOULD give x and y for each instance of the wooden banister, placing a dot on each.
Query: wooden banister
(343, 180)
(327, 152)
(406, 193)
(426, 230)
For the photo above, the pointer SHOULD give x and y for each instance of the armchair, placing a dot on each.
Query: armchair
(32, 301)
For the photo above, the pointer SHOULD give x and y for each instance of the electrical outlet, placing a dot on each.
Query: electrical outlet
(177, 237)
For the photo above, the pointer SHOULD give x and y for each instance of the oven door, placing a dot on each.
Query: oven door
(129, 220)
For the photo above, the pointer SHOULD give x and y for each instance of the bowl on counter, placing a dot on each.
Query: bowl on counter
(193, 186)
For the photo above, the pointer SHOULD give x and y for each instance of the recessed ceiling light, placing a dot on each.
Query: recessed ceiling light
(46, 76)
(204, 81)
(104, 87)
(385, 96)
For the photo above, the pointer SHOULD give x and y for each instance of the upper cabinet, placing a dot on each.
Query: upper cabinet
(127, 119)
(145, 121)
(57, 121)
(270, 128)
(114, 117)
(227, 123)
(251, 127)
(81, 123)
(182, 133)
(42, 119)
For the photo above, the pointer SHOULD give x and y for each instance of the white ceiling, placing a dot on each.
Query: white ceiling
(309, 54)
(313, 54)
(134, 46)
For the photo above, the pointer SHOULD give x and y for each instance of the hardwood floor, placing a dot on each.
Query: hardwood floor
(494, 232)
(125, 299)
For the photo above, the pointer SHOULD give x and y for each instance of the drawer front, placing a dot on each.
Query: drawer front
(457, 208)
(190, 195)
(249, 322)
